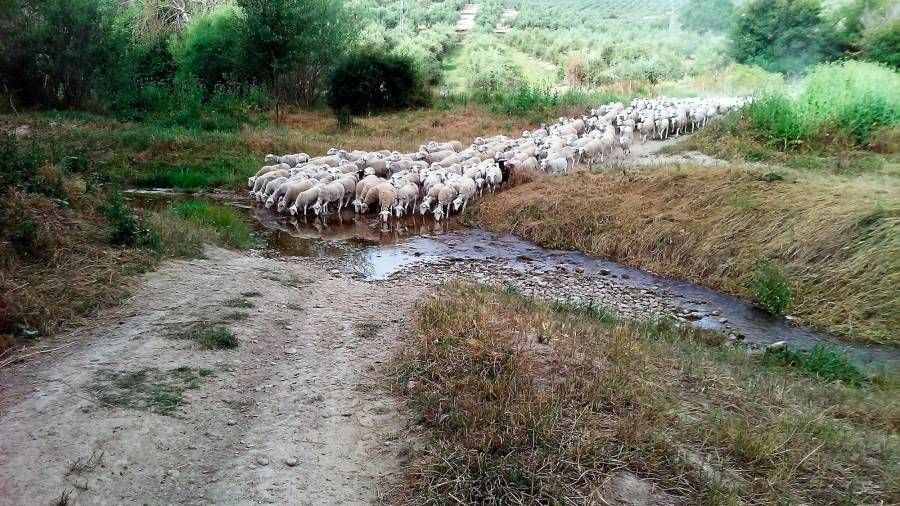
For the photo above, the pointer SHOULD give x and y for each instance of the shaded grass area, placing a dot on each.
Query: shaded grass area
(523, 403)
(836, 240)
(224, 221)
(209, 336)
(154, 390)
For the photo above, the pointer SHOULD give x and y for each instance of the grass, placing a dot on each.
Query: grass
(239, 302)
(208, 335)
(225, 221)
(82, 464)
(521, 403)
(836, 239)
(821, 361)
(154, 390)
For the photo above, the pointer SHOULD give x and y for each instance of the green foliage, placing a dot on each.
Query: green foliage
(365, 83)
(289, 44)
(21, 164)
(209, 48)
(225, 221)
(779, 35)
(59, 53)
(883, 45)
(822, 361)
(852, 98)
(707, 15)
(125, 230)
(770, 287)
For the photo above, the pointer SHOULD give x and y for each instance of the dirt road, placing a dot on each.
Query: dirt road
(299, 413)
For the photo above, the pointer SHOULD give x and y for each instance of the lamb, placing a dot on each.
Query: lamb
(555, 164)
(305, 199)
(592, 149)
(662, 128)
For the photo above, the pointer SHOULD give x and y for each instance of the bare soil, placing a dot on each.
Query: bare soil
(299, 413)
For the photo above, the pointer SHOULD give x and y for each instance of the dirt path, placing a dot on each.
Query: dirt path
(298, 414)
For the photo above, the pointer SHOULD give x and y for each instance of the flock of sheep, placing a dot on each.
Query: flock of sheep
(441, 177)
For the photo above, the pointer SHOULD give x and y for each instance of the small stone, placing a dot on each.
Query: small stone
(723, 320)
(604, 272)
(410, 384)
(579, 270)
(779, 345)
(290, 351)
(714, 313)
(174, 473)
(231, 422)
(262, 460)
(626, 276)
(291, 462)
(192, 447)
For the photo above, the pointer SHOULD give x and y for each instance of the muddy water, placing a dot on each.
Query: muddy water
(378, 251)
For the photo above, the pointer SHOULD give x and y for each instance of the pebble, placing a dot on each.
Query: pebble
(231, 422)
(291, 462)
(262, 460)
(290, 351)
(174, 473)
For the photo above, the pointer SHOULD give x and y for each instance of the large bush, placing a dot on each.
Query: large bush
(365, 83)
(883, 45)
(209, 48)
(58, 53)
(707, 15)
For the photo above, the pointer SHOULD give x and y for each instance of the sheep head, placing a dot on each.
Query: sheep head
(385, 214)
(317, 207)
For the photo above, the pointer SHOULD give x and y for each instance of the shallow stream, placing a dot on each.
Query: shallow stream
(377, 251)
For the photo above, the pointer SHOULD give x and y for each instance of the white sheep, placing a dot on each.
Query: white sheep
(305, 199)
(445, 199)
(331, 192)
(465, 188)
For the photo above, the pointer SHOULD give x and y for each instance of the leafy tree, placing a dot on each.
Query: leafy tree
(289, 45)
(209, 47)
(779, 35)
(55, 53)
(707, 15)
(365, 83)
(883, 45)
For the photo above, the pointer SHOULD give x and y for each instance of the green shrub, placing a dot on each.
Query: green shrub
(367, 83)
(770, 287)
(822, 361)
(124, 228)
(209, 48)
(883, 45)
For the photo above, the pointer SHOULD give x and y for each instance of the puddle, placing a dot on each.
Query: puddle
(376, 251)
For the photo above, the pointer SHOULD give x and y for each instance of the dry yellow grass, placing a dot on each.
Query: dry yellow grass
(838, 239)
(522, 402)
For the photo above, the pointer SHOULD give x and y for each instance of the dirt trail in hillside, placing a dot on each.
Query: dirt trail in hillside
(300, 413)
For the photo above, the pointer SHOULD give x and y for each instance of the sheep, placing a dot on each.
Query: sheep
(362, 189)
(445, 198)
(555, 164)
(430, 197)
(265, 170)
(439, 155)
(260, 184)
(278, 194)
(294, 189)
(592, 149)
(387, 199)
(493, 177)
(407, 196)
(625, 144)
(466, 188)
(331, 192)
(331, 161)
(305, 199)
(647, 129)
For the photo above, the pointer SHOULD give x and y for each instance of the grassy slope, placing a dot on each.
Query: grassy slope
(524, 403)
(837, 238)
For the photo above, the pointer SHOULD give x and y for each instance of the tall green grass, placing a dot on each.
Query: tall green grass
(841, 103)
(225, 221)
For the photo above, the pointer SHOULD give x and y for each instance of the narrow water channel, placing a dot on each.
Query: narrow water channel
(377, 251)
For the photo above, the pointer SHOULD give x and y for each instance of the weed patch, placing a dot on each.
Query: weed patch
(821, 361)
(208, 335)
(238, 302)
(154, 390)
